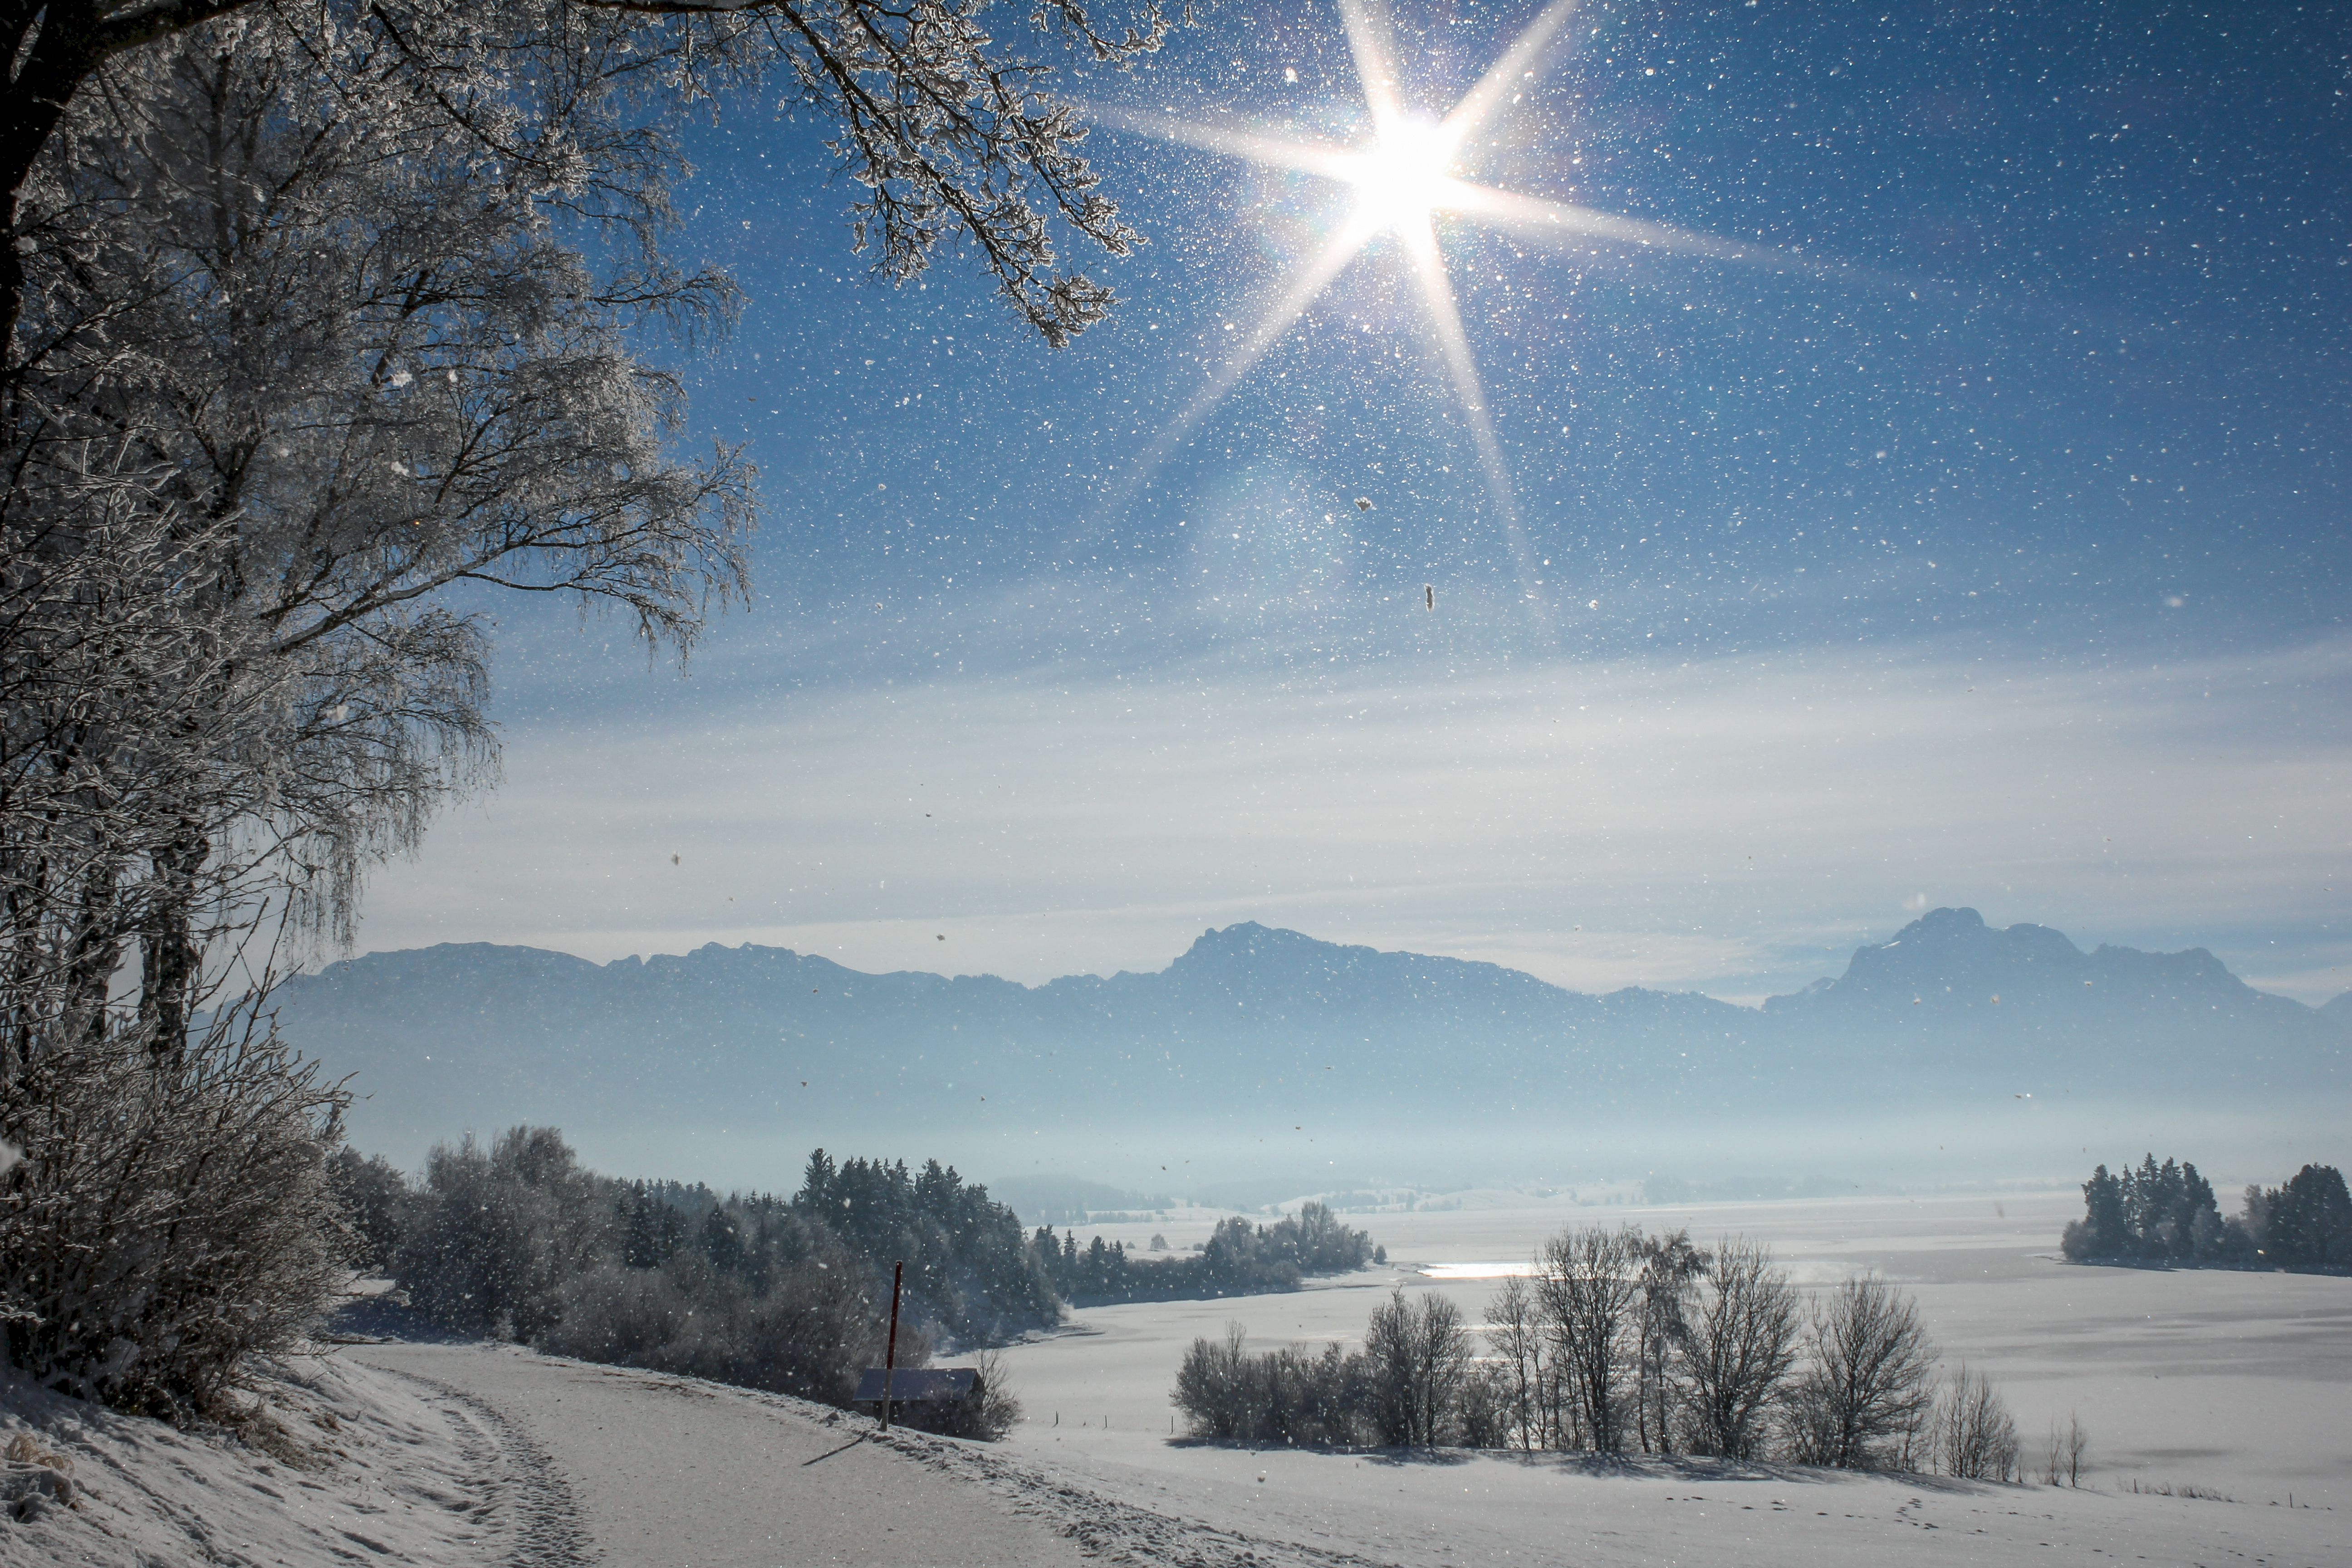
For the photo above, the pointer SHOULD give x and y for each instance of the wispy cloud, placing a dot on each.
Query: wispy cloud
(1731, 826)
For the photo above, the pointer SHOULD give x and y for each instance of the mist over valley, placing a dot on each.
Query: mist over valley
(1265, 1061)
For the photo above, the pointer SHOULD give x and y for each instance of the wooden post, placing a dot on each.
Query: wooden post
(890, 1351)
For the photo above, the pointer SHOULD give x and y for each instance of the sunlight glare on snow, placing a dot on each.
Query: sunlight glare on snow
(1522, 1270)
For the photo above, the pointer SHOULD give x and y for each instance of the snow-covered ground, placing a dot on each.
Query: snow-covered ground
(2234, 1384)
(471, 1456)
(343, 1464)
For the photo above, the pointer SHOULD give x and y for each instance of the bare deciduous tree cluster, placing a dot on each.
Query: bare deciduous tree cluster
(1618, 1341)
(1415, 1384)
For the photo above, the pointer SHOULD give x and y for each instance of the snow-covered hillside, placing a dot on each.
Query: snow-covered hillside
(339, 1463)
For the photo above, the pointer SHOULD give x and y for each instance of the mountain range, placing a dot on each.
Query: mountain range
(1263, 1037)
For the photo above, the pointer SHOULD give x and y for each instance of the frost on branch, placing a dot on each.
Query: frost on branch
(953, 133)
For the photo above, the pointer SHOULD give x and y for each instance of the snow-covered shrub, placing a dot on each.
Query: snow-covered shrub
(497, 1233)
(1213, 1388)
(808, 1330)
(375, 1203)
(627, 1317)
(1000, 1407)
(169, 1214)
(1413, 1384)
(1290, 1395)
(1971, 1433)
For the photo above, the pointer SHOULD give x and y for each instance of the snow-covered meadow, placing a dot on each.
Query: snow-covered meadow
(2231, 1383)
(2227, 1390)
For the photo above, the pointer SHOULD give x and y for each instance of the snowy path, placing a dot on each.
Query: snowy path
(625, 1469)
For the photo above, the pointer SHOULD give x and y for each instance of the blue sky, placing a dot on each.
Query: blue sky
(1985, 545)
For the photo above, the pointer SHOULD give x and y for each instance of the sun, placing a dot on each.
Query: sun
(1407, 176)
(1411, 170)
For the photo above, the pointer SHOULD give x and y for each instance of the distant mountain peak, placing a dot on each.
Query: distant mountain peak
(1938, 923)
(1249, 948)
(1949, 961)
(1250, 937)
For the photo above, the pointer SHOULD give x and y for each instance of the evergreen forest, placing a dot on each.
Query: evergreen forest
(2168, 1214)
(1238, 1259)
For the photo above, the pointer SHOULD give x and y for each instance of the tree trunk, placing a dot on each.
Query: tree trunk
(174, 965)
(64, 50)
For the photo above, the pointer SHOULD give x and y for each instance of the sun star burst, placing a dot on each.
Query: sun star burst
(1408, 174)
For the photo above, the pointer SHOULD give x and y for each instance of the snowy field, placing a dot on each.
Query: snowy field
(470, 1455)
(2234, 1384)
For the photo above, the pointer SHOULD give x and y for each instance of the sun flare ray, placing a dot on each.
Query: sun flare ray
(1374, 69)
(1477, 109)
(1453, 346)
(1404, 176)
(1304, 288)
(1535, 218)
(1253, 146)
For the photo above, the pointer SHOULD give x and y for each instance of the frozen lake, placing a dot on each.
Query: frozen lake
(2238, 1383)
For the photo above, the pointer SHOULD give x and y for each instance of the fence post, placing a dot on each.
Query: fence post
(890, 1351)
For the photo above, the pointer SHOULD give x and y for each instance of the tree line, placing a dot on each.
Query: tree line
(2168, 1214)
(1620, 1342)
(1238, 1259)
(321, 326)
(515, 1239)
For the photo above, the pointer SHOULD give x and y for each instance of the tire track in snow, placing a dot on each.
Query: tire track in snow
(521, 1478)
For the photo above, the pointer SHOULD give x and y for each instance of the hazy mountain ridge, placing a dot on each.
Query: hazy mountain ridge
(1253, 1024)
(1947, 982)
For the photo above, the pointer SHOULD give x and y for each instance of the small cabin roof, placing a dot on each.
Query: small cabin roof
(918, 1384)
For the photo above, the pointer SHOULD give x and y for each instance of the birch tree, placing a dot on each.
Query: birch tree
(1670, 1270)
(950, 131)
(317, 327)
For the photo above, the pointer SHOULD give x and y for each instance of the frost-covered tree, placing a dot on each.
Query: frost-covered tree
(376, 1206)
(332, 306)
(164, 1206)
(1515, 1332)
(497, 1232)
(951, 130)
(1970, 1432)
(316, 318)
